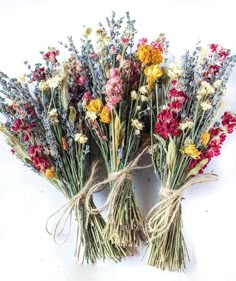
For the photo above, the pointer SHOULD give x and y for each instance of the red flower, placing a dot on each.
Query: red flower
(229, 122)
(176, 105)
(17, 126)
(51, 56)
(213, 47)
(39, 159)
(180, 95)
(39, 74)
(167, 124)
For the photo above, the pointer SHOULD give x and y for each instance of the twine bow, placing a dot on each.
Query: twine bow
(162, 215)
(118, 178)
(67, 211)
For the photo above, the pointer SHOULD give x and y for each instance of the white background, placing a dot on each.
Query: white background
(27, 252)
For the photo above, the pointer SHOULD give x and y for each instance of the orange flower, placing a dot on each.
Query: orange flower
(64, 143)
(95, 105)
(149, 55)
(105, 115)
(50, 173)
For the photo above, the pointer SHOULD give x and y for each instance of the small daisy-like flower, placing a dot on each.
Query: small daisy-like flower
(80, 138)
(205, 106)
(136, 124)
(186, 125)
(134, 95)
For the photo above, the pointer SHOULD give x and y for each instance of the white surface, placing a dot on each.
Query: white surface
(27, 252)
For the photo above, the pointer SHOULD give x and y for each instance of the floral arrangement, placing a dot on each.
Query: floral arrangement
(110, 102)
(187, 134)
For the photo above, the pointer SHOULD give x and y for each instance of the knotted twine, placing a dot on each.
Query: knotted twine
(67, 211)
(162, 215)
(118, 178)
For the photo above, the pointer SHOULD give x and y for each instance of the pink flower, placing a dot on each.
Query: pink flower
(87, 96)
(142, 41)
(113, 49)
(125, 40)
(92, 55)
(81, 80)
(51, 56)
(113, 72)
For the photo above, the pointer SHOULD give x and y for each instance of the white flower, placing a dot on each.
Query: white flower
(55, 81)
(137, 132)
(174, 70)
(136, 124)
(202, 55)
(186, 125)
(143, 90)
(138, 107)
(80, 138)
(53, 112)
(134, 95)
(53, 115)
(143, 98)
(217, 83)
(205, 90)
(205, 106)
(91, 115)
(43, 85)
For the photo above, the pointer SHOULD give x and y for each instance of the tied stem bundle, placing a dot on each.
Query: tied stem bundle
(167, 249)
(90, 240)
(124, 225)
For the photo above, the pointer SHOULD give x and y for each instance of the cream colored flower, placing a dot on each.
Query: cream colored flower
(217, 83)
(134, 95)
(205, 106)
(53, 116)
(21, 80)
(91, 115)
(43, 85)
(137, 132)
(205, 90)
(54, 82)
(136, 124)
(186, 125)
(138, 107)
(143, 90)
(202, 55)
(174, 70)
(80, 138)
(143, 98)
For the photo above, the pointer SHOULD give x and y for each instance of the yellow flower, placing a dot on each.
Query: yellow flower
(95, 105)
(105, 116)
(88, 31)
(191, 151)
(205, 137)
(152, 72)
(149, 55)
(50, 173)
